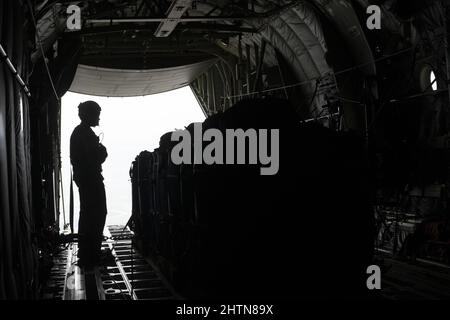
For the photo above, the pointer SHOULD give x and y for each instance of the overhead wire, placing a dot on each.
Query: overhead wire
(38, 38)
(395, 100)
(331, 73)
(52, 84)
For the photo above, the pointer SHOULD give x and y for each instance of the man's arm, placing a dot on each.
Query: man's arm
(87, 153)
(102, 154)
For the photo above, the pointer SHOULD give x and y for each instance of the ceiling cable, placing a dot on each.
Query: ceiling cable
(320, 77)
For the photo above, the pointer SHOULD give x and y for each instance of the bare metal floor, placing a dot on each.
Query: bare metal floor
(414, 280)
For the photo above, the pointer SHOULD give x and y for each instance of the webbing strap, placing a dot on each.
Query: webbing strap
(71, 202)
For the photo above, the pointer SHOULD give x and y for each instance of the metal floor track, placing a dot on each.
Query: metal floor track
(54, 286)
(132, 276)
(127, 275)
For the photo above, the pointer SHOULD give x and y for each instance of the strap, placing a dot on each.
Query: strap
(71, 202)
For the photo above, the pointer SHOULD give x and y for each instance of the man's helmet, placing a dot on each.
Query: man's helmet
(88, 110)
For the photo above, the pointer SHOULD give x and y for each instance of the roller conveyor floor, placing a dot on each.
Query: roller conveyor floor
(127, 275)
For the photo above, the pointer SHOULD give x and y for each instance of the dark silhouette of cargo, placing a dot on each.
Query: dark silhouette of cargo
(87, 155)
(227, 231)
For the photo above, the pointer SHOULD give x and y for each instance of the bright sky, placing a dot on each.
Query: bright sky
(129, 126)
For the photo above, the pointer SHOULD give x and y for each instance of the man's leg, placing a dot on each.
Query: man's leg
(97, 219)
(102, 211)
(83, 225)
(92, 221)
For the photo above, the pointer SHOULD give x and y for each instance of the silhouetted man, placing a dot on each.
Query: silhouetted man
(87, 155)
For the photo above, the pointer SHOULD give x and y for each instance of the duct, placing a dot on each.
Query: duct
(346, 21)
(300, 29)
